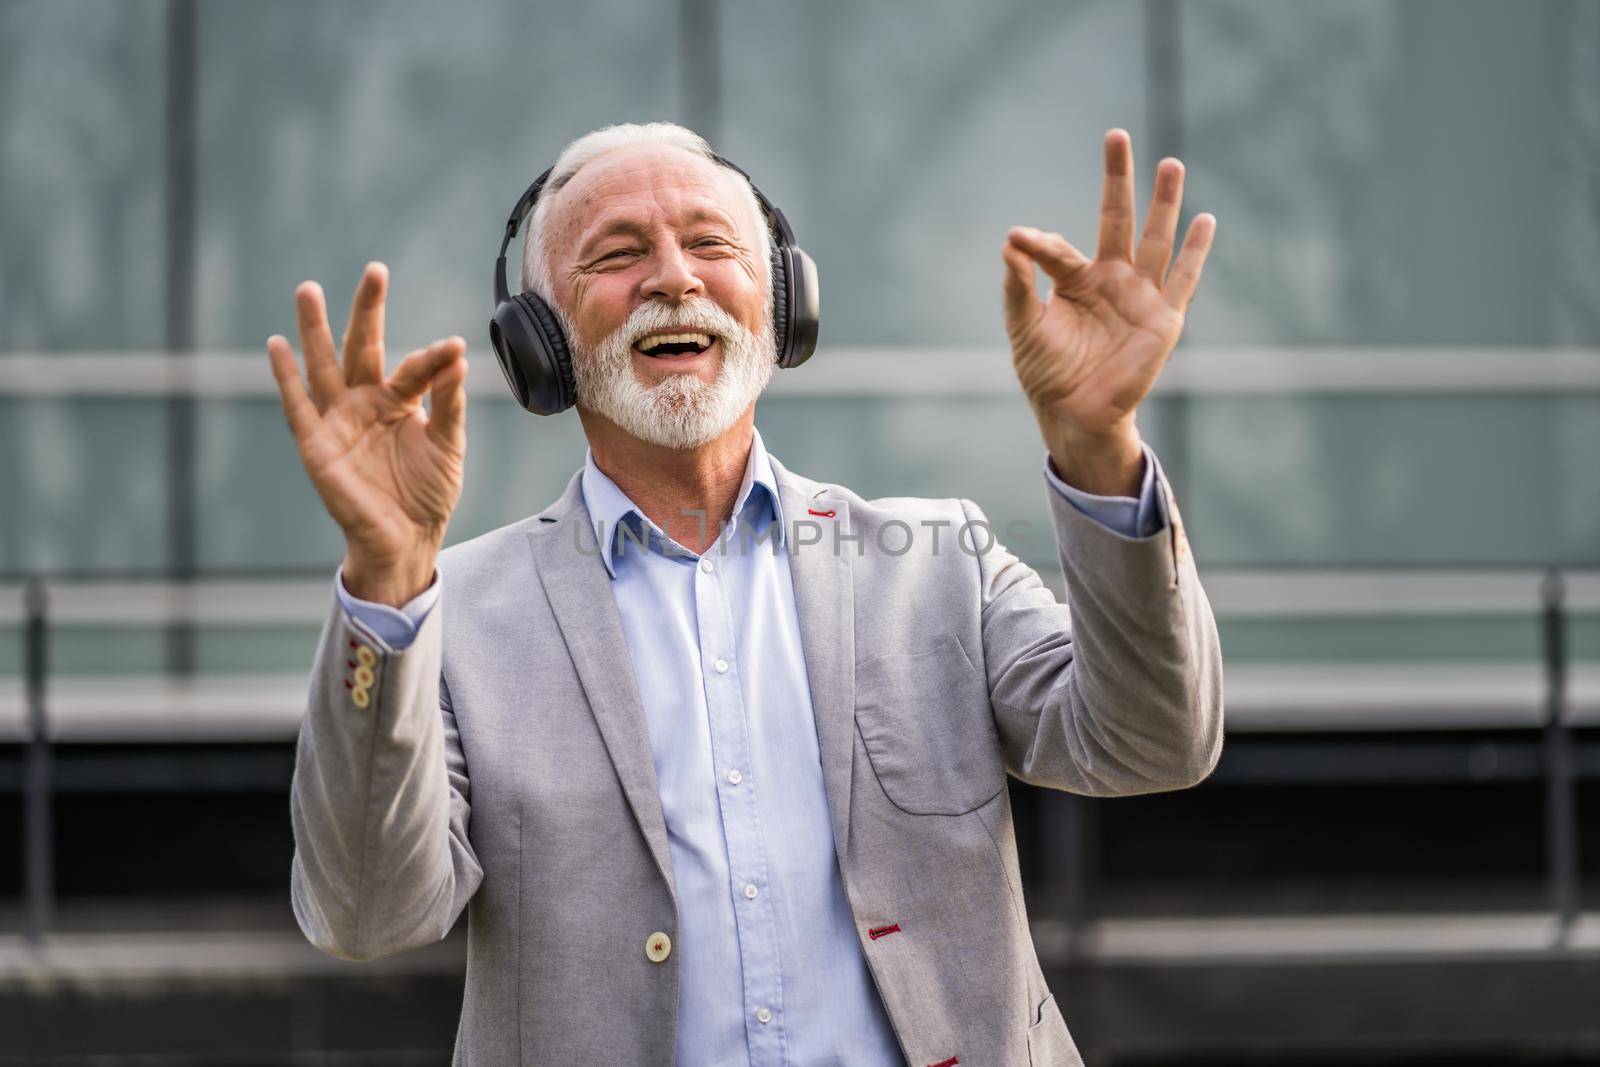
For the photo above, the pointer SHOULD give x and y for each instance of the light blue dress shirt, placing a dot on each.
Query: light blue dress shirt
(770, 963)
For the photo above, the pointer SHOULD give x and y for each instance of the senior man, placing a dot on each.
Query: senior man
(715, 760)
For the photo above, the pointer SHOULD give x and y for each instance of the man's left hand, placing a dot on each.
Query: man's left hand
(1089, 352)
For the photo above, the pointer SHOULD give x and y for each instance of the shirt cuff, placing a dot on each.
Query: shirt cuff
(393, 628)
(1129, 516)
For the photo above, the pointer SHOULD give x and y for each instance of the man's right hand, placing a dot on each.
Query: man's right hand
(388, 473)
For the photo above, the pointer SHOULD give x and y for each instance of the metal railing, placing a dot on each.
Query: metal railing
(41, 604)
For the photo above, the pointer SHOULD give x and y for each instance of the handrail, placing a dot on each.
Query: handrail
(902, 371)
(1560, 822)
(300, 596)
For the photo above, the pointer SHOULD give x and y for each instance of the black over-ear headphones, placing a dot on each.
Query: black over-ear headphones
(533, 351)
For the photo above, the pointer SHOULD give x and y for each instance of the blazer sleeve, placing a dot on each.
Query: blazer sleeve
(380, 796)
(1119, 690)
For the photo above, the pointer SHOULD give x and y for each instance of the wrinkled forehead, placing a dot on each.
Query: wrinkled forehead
(650, 184)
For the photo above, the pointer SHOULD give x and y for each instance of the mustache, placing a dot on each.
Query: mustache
(700, 315)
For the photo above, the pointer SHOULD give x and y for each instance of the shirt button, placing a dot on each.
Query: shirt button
(706, 566)
(721, 666)
(750, 894)
(657, 947)
(764, 1015)
(734, 777)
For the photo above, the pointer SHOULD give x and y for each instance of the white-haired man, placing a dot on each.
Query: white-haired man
(710, 797)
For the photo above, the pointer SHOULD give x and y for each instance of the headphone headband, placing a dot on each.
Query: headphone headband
(534, 354)
(526, 202)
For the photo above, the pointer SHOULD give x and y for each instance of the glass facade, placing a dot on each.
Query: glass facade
(1421, 176)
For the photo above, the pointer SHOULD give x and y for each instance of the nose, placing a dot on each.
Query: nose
(672, 277)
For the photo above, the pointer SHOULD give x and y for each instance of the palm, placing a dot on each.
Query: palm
(1088, 353)
(389, 473)
(383, 477)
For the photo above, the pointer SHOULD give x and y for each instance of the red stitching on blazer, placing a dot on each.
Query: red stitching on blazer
(350, 663)
(830, 513)
(353, 643)
(347, 684)
(951, 1062)
(883, 931)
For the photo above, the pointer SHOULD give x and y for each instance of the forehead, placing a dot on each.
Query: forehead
(652, 183)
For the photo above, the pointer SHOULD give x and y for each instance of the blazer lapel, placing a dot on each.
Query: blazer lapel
(579, 590)
(824, 594)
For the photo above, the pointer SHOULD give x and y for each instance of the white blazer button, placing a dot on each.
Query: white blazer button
(721, 666)
(657, 947)
(734, 777)
(764, 1015)
(707, 566)
(750, 892)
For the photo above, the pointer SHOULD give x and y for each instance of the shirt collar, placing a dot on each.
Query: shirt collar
(610, 508)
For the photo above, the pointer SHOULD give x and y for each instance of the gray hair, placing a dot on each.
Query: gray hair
(536, 257)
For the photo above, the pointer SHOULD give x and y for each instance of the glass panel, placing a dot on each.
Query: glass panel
(83, 484)
(82, 237)
(904, 138)
(333, 134)
(1394, 173)
(1356, 480)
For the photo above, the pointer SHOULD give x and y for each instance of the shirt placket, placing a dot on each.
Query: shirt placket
(737, 799)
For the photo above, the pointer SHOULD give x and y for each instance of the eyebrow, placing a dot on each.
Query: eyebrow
(631, 226)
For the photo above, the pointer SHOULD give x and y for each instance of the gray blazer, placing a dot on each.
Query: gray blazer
(501, 764)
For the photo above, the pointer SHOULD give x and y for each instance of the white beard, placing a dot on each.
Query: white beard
(681, 411)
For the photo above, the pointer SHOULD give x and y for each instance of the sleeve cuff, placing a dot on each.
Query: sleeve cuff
(1129, 516)
(394, 628)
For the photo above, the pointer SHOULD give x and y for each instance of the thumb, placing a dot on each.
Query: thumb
(1021, 299)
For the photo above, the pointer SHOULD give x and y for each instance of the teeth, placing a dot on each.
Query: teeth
(651, 340)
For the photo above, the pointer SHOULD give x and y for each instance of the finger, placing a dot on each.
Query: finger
(1053, 252)
(363, 338)
(316, 341)
(1116, 198)
(1161, 224)
(297, 406)
(1185, 275)
(447, 418)
(411, 378)
(1021, 298)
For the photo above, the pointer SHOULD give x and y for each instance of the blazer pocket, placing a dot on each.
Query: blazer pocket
(929, 732)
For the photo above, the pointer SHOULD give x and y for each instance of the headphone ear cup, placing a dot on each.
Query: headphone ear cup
(558, 355)
(533, 355)
(796, 305)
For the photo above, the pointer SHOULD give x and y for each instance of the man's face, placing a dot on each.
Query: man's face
(650, 243)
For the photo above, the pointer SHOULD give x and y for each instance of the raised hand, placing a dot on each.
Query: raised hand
(388, 473)
(1089, 352)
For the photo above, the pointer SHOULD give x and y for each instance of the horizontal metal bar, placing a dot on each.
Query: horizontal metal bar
(1233, 594)
(1277, 697)
(163, 603)
(219, 707)
(1363, 695)
(1390, 592)
(897, 371)
(68, 958)
(1266, 940)
(1315, 938)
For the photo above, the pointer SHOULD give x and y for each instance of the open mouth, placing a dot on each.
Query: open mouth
(684, 344)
